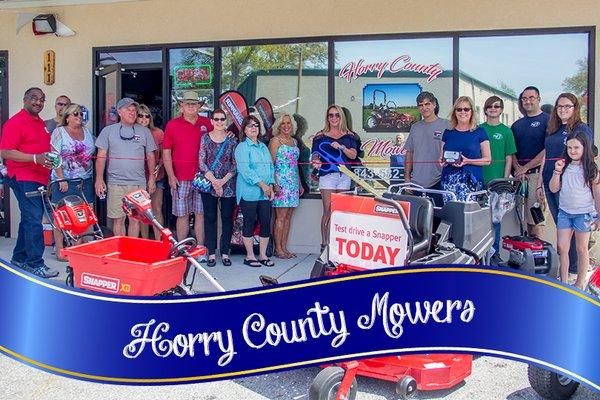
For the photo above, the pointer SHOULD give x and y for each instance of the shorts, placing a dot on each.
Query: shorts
(334, 181)
(186, 200)
(161, 184)
(87, 189)
(114, 199)
(531, 199)
(577, 222)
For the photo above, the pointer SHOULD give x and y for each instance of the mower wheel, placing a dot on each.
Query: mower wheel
(551, 385)
(372, 122)
(406, 387)
(326, 384)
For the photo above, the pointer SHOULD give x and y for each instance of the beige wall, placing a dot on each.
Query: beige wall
(172, 21)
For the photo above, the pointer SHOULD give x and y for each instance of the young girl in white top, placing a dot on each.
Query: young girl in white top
(576, 177)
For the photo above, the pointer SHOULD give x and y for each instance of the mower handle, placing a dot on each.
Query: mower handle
(409, 237)
(402, 187)
(39, 192)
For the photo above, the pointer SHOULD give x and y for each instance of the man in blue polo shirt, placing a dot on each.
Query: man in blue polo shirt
(24, 145)
(530, 133)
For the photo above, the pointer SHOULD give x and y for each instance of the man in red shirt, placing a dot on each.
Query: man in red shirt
(24, 145)
(180, 157)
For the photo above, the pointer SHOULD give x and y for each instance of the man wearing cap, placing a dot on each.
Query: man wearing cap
(180, 156)
(124, 146)
(24, 146)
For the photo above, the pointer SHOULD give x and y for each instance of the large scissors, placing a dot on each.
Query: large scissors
(332, 158)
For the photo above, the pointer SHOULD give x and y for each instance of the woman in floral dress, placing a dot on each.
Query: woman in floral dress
(285, 152)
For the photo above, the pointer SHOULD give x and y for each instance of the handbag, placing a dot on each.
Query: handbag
(200, 182)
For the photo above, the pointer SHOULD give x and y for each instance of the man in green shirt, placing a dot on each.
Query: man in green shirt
(502, 146)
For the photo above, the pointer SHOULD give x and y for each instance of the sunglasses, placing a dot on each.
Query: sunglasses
(494, 106)
(333, 115)
(76, 114)
(219, 119)
(464, 109)
(143, 115)
(127, 138)
(253, 126)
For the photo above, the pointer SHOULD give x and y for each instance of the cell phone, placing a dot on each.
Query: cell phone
(452, 157)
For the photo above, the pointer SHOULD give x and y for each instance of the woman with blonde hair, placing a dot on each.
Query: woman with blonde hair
(288, 189)
(463, 137)
(144, 118)
(75, 144)
(338, 142)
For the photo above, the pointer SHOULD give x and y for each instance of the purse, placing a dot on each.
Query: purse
(200, 182)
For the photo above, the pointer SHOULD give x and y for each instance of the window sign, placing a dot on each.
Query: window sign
(192, 76)
(377, 82)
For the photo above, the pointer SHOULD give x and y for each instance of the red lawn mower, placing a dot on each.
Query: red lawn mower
(123, 265)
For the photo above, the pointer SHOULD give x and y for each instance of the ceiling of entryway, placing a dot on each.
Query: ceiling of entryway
(10, 4)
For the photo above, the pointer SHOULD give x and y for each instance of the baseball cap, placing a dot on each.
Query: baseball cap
(125, 102)
(191, 97)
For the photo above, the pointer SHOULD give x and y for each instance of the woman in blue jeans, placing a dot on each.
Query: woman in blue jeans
(565, 119)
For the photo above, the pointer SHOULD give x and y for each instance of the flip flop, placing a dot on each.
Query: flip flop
(252, 263)
(267, 262)
(226, 261)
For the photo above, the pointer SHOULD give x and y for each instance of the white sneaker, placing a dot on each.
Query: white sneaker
(201, 258)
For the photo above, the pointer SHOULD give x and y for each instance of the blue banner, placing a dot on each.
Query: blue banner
(192, 339)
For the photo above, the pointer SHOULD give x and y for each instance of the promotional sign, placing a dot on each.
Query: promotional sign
(366, 233)
(265, 109)
(355, 69)
(192, 76)
(234, 103)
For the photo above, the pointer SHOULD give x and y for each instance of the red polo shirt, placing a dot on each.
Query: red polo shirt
(28, 134)
(183, 139)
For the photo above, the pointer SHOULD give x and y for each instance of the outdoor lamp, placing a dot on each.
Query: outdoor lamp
(44, 23)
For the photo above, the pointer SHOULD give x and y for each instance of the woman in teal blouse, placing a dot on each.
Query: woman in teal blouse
(254, 190)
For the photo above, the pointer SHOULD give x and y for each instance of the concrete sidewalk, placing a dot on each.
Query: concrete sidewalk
(492, 378)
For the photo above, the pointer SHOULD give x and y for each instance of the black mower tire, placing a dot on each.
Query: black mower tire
(318, 270)
(326, 384)
(548, 384)
(406, 387)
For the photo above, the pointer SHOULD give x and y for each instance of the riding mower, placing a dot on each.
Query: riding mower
(458, 232)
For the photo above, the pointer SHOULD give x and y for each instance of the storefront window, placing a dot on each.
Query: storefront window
(293, 77)
(505, 65)
(378, 82)
(191, 69)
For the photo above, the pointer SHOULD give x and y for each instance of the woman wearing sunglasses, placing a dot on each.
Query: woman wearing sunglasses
(465, 150)
(217, 164)
(145, 119)
(337, 144)
(254, 190)
(75, 144)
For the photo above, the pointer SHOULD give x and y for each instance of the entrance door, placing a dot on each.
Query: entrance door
(109, 92)
(5, 199)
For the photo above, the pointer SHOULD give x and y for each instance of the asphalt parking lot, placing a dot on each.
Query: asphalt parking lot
(492, 378)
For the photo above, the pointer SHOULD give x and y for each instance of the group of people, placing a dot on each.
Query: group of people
(553, 153)
(209, 169)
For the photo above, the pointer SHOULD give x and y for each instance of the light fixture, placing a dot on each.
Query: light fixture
(43, 24)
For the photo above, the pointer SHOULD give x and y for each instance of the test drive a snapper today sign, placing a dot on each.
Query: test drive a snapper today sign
(366, 233)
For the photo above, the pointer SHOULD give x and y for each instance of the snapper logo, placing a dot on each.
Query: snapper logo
(100, 283)
(383, 209)
(535, 124)
(497, 136)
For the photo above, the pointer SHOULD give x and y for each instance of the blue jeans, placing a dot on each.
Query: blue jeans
(30, 242)
(497, 233)
(552, 200)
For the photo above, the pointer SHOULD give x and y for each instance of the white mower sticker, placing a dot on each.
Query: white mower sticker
(100, 283)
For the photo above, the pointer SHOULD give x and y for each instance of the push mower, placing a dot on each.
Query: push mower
(526, 253)
(123, 265)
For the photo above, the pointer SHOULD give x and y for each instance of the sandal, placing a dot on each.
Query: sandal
(252, 263)
(267, 262)
(226, 261)
(211, 262)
